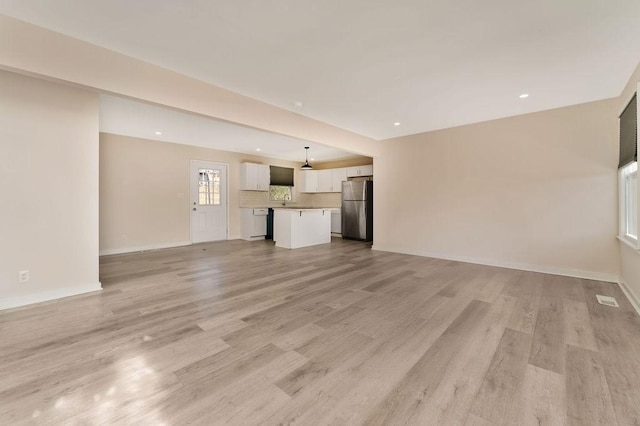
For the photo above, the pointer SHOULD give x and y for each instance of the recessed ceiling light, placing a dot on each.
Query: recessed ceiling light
(158, 132)
(397, 123)
(257, 149)
(524, 95)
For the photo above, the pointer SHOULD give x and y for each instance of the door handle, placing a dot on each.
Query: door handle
(194, 209)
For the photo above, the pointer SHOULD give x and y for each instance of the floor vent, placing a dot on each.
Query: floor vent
(607, 300)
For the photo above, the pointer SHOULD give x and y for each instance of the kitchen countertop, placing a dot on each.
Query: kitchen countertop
(293, 208)
(303, 208)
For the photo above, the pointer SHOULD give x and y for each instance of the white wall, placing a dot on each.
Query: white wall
(630, 258)
(536, 191)
(49, 189)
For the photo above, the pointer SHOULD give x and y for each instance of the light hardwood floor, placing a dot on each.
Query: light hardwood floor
(245, 333)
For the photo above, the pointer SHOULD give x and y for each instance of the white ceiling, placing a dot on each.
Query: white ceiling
(131, 118)
(364, 64)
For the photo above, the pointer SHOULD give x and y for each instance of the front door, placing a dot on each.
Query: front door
(208, 201)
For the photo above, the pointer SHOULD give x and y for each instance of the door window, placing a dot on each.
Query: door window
(209, 187)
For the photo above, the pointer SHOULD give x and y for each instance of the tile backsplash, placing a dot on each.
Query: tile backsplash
(326, 199)
(261, 199)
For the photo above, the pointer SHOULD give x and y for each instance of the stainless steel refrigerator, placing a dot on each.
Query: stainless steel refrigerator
(357, 210)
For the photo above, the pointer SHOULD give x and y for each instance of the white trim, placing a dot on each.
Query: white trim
(623, 220)
(576, 273)
(144, 248)
(631, 243)
(635, 302)
(256, 238)
(44, 296)
(622, 214)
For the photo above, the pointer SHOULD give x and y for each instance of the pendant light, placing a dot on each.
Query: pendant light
(306, 165)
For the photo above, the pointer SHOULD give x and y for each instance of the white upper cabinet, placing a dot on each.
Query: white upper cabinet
(254, 177)
(330, 180)
(324, 180)
(337, 177)
(360, 171)
(309, 181)
(264, 177)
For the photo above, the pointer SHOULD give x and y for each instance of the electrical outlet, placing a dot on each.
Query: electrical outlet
(23, 277)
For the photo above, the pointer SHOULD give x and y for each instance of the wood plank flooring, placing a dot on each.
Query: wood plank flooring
(245, 333)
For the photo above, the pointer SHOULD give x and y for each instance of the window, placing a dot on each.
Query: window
(280, 193)
(209, 187)
(628, 172)
(629, 202)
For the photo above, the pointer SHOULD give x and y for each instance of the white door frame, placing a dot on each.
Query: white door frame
(191, 162)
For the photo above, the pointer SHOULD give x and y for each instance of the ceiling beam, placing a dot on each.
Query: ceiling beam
(33, 50)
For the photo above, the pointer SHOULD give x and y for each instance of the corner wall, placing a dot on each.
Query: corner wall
(49, 187)
(534, 192)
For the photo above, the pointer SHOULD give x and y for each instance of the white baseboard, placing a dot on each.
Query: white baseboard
(258, 238)
(576, 273)
(45, 296)
(144, 248)
(633, 299)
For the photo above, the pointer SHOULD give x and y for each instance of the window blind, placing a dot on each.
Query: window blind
(282, 176)
(629, 133)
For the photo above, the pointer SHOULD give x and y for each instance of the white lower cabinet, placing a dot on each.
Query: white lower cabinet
(301, 228)
(336, 221)
(253, 224)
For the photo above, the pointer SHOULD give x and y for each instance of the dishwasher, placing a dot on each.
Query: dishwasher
(253, 224)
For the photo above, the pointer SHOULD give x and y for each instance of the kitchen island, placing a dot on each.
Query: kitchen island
(294, 227)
